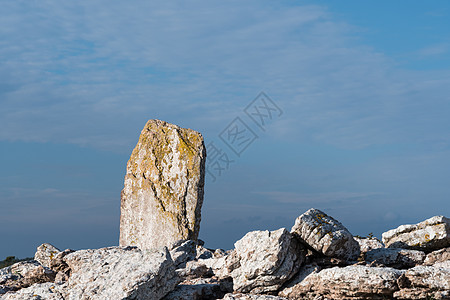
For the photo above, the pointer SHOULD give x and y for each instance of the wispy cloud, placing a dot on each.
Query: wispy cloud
(434, 50)
(91, 74)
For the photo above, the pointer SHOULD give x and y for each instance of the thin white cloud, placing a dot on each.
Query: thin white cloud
(91, 74)
(434, 50)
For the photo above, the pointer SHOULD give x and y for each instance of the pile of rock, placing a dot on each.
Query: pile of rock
(317, 259)
(159, 256)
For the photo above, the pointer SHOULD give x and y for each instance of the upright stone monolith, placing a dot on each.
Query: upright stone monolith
(163, 191)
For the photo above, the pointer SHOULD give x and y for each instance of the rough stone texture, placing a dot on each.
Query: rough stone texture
(58, 265)
(23, 274)
(194, 269)
(437, 256)
(424, 282)
(200, 289)
(263, 260)
(217, 265)
(47, 291)
(352, 282)
(45, 253)
(183, 253)
(164, 184)
(395, 257)
(326, 235)
(367, 244)
(325, 261)
(290, 289)
(120, 273)
(251, 297)
(431, 234)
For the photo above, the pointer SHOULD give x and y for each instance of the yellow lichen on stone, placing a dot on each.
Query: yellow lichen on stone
(164, 174)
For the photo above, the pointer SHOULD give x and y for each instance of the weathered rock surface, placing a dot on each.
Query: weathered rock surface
(47, 291)
(194, 269)
(263, 260)
(424, 282)
(199, 289)
(395, 257)
(431, 234)
(240, 296)
(164, 184)
(367, 244)
(326, 235)
(45, 254)
(290, 289)
(24, 274)
(184, 252)
(437, 256)
(263, 264)
(58, 265)
(120, 273)
(352, 282)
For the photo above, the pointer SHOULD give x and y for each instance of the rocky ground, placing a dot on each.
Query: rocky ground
(317, 259)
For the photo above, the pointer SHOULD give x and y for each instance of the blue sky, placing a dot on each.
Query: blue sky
(363, 88)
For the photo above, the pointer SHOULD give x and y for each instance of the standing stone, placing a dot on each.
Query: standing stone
(163, 191)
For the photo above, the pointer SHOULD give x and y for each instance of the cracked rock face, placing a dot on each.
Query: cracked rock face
(264, 260)
(120, 273)
(396, 258)
(326, 235)
(424, 282)
(437, 256)
(163, 191)
(48, 291)
(367, 244)
(45, 254)
(23, 274)
(352, 282)
(429, 235)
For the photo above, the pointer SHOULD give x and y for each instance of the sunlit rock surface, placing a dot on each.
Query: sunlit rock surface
(263, 260)
(164, 184)
(326, 235)
(431, 234)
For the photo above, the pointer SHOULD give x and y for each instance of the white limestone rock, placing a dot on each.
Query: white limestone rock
(352, 282)
(164, 185)
(395, 257)
(194, 269)
(45, 253)
(437, 256)
(120, 273)
(200, 289)
(24, 274)
(289, 289)
(217, 265)
(326, 235)
(263, 260)
(184, 252)
(424, 282)
(431, 234)
(40, 291)
(367, 244)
